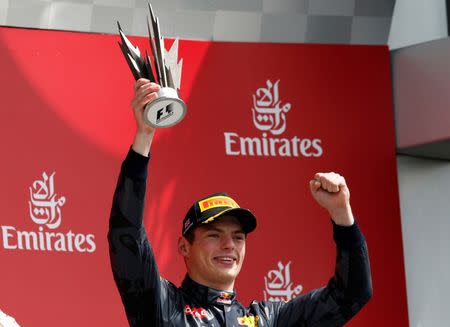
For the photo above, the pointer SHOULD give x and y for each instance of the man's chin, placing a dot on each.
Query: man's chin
(228, 275)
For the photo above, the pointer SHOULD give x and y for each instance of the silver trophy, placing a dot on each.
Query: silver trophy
(167, 109)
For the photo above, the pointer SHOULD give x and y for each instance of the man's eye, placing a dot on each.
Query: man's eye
(239, 237)
(213, 235)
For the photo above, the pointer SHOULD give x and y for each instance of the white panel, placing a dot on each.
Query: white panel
(286, 6)
(104, 19)
(70, 16)
(283, 27)
(237, 20)
(28, 13)
(425, 207)
(186, 24)
(116, 3)
(370, 30)
(3, 11)
(237, 26)
(421, 78)
(417, 21)
(332, 7)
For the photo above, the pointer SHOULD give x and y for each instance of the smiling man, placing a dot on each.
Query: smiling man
(212, 243)
(213, 240)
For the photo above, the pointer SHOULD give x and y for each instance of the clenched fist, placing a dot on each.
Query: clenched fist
(144, 92)
(331, 192)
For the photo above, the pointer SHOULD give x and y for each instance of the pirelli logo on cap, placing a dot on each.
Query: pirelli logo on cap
(217, 201)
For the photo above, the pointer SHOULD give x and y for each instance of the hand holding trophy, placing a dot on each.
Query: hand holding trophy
(167, 109)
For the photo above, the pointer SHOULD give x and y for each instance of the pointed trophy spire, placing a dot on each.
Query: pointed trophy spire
(167, 109)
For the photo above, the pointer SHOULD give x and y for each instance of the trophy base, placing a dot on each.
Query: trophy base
(166, 110)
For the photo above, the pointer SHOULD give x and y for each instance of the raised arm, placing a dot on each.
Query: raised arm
(351, 286)
(133, 264)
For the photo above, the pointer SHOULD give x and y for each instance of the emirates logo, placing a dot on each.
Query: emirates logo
(269, 117)
(269, 114)
(45, 205)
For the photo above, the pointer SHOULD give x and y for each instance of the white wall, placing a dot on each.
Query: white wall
(425, 208)
(417, 21)
(424, 184)
(421, 79)
(293, 21)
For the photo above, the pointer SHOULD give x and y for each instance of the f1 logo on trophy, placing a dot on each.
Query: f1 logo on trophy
(167, 109)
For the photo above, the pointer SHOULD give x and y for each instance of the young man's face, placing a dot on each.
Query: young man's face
(216, 255)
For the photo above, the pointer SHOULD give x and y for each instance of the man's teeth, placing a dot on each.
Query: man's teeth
(226, 259)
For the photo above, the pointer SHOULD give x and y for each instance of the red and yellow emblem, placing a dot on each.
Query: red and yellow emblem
(249, 321)
(217, 201)
(195, 312)
(225, 295)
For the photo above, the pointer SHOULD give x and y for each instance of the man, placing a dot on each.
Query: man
(213, 246)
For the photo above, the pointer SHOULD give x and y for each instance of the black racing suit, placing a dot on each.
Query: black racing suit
(150, 300)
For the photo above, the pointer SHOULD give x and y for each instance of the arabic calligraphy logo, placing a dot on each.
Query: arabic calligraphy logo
(45, 207)
(279, 286)
(268, 114)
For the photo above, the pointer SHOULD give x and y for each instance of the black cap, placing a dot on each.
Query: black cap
(213, 207)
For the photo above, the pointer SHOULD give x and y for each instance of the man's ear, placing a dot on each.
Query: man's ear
(183, 246)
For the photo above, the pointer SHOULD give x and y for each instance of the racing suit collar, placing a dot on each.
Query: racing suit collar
(207, 295)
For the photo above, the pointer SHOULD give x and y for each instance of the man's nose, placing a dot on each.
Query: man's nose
(228, 242)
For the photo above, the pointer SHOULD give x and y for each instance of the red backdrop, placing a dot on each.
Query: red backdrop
(65, 110)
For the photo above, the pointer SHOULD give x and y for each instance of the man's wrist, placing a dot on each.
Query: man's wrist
(342, 216)
(142, 143)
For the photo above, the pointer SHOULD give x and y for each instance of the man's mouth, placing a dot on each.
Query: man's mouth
(225, 259)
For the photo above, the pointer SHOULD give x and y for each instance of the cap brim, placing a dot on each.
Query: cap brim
(245, 217)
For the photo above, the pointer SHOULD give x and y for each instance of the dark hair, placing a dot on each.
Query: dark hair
(190, 236)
